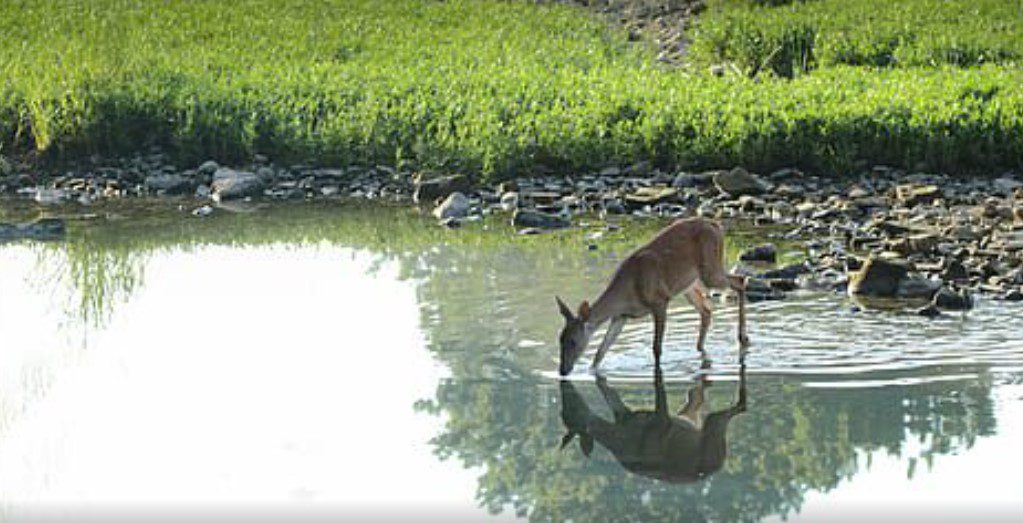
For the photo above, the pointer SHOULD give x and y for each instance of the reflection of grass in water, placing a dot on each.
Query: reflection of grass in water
(105, 259)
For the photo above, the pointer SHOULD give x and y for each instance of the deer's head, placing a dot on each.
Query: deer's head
(575, 335)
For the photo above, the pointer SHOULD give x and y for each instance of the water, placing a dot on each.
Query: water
(337, 359)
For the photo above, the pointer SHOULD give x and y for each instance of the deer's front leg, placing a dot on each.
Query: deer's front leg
(612, 333)
(738, 284)
(660, 313)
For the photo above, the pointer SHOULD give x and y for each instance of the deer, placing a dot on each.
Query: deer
(674, 448)
(686, 257)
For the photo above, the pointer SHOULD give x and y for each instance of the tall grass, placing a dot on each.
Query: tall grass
(794, 37)
(486, 87)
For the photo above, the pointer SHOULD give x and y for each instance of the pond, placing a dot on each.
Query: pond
(340, 358)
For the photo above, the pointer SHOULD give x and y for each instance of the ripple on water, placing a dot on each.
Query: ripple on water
(820, 336)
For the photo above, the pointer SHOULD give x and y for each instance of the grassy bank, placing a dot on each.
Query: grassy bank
(487, 87)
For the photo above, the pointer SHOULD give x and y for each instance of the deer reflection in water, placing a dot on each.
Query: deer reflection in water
(678, 448)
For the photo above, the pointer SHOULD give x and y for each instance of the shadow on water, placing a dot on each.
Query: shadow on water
(676, 448)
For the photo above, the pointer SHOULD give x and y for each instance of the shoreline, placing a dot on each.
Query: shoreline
(926, 235)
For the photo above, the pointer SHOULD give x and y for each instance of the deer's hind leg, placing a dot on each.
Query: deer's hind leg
(699, 300)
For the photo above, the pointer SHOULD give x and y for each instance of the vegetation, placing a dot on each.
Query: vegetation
(502, 88)
(790, 38)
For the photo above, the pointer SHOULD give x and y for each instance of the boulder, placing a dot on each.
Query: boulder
(456, 205)
(229, 184)
(878, 277)
(949, 299)
(427, 191)
(740, 182)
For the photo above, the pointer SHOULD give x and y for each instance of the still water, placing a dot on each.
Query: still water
(334, 359)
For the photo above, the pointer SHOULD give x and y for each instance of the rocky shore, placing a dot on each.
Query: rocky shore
(933, 240)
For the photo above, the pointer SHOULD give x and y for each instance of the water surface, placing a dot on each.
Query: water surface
(334, 358)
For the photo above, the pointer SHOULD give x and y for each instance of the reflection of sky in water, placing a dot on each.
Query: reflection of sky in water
(285, 375)
(233, 376)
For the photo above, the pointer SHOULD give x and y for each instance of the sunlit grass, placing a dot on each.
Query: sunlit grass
(490, 88)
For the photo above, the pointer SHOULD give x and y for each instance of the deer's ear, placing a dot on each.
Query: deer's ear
(565, 311)
(584, 310)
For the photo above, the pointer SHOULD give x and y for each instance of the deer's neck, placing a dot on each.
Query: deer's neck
(601, 310)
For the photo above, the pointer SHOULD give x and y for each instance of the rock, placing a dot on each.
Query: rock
(208, 168)
(915, 244)
(787, 272)
(1005, 185)
(456, 205)
(650, 196)
(877, 277)
(508, 186)
(203, 211)
(759, 290)
(930, 311)
(949, 299)
(766, 253)
(169, 184)
(510, 201)
(537, 219)
(229, 184)
(614, 207)
(684, 180)
(542, 197)
(451, 222)
(913, 194)
(1013, 295)
(917, 288)
(739, 182)
(43, 229)
(426, 191)
(955, 271)
(50, 196)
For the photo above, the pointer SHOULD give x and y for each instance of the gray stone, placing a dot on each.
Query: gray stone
(949, 299)
(739, 182)
(684, 180)
(766, 253)
(913, 194)
(50, 196)
(170, 184)
(878, 277)
(203, 211)
(537, 219)
(510, 201)
(456, 205)
(229, 184)
(208, 168)
(650, 196)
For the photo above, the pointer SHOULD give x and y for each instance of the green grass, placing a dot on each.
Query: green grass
(788, 38)
(490, 88)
